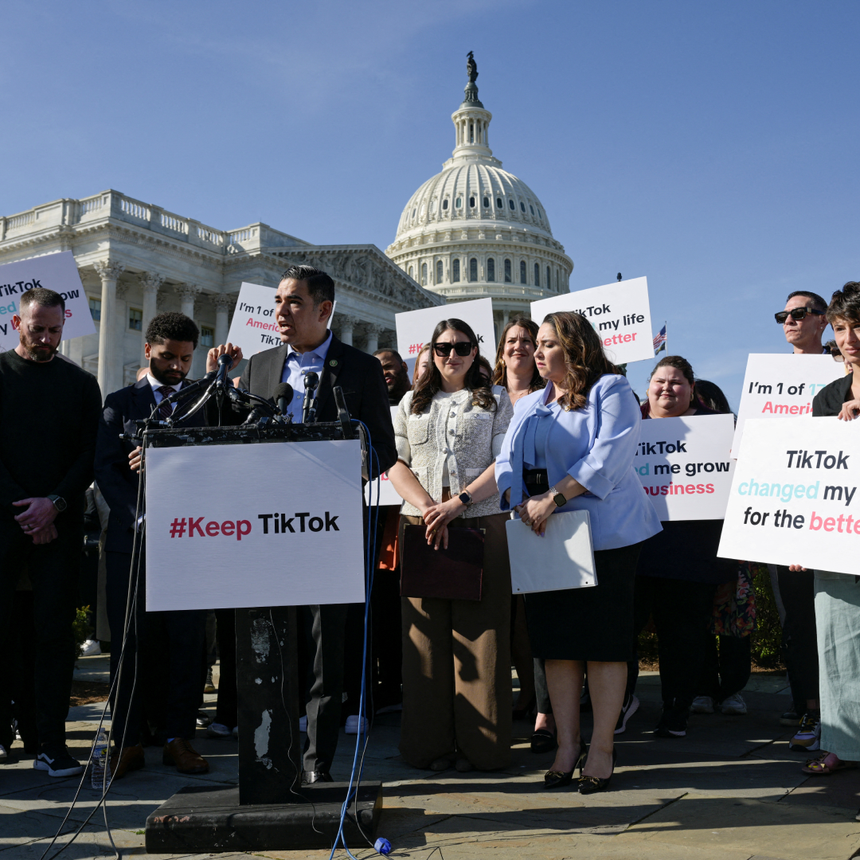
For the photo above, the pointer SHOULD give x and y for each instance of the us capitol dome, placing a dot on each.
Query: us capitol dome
(476, 231)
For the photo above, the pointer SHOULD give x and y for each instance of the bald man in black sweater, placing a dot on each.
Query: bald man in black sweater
(49, 411)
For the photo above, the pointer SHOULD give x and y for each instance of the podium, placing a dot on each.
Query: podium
(261, 519)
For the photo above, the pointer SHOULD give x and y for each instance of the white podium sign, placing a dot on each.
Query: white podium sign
(619, 312)
(271, 524)
(684, 465)
(794, 495)
(56, 272)
(782, 386)
(414, 328)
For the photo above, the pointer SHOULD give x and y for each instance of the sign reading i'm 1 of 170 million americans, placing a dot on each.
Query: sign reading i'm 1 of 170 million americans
(794, 496)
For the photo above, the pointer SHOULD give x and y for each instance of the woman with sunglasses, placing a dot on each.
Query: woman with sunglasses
(456, 653)
(570, 447)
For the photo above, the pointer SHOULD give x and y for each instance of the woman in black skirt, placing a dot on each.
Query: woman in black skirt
(571, 447)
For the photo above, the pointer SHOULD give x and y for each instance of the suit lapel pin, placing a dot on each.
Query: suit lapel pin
(333, 363)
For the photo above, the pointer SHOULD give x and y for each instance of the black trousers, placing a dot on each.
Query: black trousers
(725, 673)
(53, 569)
(799, 637)
(681, 611)
(161, 660)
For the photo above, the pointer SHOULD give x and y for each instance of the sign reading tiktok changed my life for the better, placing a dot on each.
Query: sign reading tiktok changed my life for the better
(794, 496)
(782, 386)
(619, 312)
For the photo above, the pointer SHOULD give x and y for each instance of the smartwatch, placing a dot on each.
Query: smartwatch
(59, 502)
(558, 498)
(465, 498)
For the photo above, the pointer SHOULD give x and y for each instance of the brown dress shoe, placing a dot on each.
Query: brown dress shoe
(131, 758)
(179, 752)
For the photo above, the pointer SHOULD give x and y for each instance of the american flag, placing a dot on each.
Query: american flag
(660, 340)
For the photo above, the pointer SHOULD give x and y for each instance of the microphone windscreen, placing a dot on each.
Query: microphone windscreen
(282, 389)
(311, 380)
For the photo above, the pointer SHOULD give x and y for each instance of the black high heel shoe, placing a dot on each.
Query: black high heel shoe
(561, 778)
(593, 784)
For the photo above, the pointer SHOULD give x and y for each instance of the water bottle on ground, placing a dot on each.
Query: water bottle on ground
(100, 767)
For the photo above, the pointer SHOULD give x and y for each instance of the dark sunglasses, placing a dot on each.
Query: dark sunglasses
(443, 350)
(796, 314)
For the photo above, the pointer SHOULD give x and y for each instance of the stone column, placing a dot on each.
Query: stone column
(110, 368)
(187, 294)
(373, 332)
(223, 305)
(149, 282)
(120, 326)
(347, 326)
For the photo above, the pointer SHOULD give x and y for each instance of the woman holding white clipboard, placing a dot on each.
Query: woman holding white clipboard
(570, 447)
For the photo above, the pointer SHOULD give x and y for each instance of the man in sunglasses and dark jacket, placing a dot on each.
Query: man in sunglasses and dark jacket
(803, 322)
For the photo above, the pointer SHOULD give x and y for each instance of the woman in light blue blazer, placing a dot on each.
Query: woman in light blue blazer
(571, 447)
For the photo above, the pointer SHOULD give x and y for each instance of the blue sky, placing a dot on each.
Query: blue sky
(711, 147)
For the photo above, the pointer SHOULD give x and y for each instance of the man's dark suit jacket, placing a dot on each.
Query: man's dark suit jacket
(357, 373)
(117, 482)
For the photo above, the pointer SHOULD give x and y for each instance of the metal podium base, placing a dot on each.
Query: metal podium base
(198, 819)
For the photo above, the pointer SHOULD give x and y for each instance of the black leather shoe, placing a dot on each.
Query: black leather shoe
(543, 740)
(557, 778)
(309, 777)
(593, 784)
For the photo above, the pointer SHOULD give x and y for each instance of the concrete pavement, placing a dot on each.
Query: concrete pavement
(730, 790)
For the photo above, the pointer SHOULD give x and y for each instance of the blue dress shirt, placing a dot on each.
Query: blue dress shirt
(296, 365)
(595, 445)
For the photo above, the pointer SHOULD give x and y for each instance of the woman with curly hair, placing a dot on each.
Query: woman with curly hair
(571, 447)
(456, 653)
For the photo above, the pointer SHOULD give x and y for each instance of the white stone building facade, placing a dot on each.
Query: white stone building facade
(136, 260)
(476, 231)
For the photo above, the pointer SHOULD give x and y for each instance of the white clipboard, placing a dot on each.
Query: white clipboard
(563, 558)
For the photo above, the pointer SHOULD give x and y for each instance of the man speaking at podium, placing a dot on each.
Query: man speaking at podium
(303, 305)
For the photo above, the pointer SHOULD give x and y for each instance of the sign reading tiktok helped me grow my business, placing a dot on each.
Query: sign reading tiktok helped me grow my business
(684, 465)
(619, 312)
(56, 272)
(794, 496)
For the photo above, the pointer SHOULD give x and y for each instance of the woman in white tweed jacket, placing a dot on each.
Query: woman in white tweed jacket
(456, 653)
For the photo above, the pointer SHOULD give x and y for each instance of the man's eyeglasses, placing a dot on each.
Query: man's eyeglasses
(443, 350)
(796, 314)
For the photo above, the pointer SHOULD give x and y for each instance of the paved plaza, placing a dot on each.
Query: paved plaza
(730, 790)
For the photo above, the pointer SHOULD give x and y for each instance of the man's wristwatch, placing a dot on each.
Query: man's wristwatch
(557, 497)
(466, 498)
(59, 502)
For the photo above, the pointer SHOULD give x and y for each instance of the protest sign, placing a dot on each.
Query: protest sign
(293, 541)
(56, 272)
(793, 494)
(780, 386)
(254, 327)
(416, 327)
(684, 465)
(620, 313)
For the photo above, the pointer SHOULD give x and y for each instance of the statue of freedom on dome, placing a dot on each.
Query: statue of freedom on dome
(472, 68)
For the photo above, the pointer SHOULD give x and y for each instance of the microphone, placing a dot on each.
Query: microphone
(224, 362)
(312, 380)
(343, 413)
(283, 396)
(183, 392)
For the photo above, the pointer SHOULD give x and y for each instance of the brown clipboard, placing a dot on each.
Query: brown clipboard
(449, 574)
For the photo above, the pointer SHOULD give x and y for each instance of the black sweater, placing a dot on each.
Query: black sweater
(49, 413)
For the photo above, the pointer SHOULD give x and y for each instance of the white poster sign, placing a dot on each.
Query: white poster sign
(276, 524)
(56, 272)
(781, 386)
(684, 465)
(793, 495)
(619, 312)
(414, 328)
(254, 327)
(381, 489)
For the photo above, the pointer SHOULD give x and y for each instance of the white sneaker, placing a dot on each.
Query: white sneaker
(734, 704)
(703, 705)
(355, 723)
(61, 764)
(3, 754)
(91, 648)
(218, 730)
(303, 724)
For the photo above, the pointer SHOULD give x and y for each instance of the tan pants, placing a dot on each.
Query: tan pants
(457, 665)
